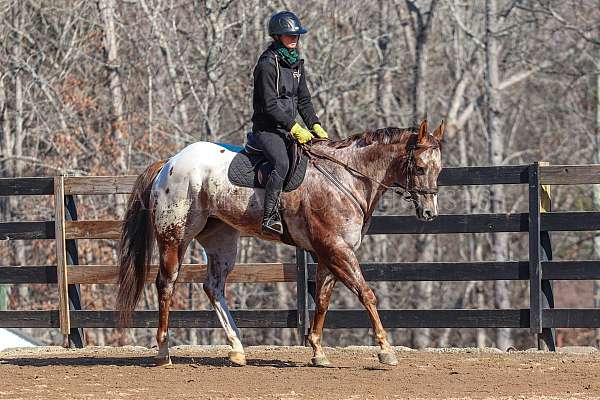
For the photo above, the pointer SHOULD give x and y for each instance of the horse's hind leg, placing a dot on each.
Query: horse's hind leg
(171, 253)
(220, 242)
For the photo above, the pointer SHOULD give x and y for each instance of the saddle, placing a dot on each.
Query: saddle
(250, 168)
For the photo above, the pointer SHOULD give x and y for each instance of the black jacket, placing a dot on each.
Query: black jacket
(280, 93)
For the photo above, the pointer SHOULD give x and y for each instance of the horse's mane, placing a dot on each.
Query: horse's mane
(384, 136)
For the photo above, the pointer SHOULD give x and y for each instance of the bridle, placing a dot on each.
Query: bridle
(411, 171)
(407, 191)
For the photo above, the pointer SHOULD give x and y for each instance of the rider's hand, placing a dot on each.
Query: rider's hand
(320, 132)
(301, 134)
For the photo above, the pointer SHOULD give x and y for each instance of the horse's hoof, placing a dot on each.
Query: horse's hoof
(163, 361)
(237, 358)
(320, 361)
(387, 357)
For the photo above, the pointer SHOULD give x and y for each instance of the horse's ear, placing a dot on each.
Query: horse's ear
(422, 132)
(439, 131)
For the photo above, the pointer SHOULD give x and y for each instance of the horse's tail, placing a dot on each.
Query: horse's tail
(136, 244)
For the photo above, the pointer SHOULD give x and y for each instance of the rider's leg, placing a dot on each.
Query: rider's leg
(274, 148)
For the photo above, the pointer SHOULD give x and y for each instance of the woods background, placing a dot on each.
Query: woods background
(106, 87)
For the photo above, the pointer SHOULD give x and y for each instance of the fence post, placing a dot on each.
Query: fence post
(548, 335)
(76, 335)
(302, 295)
(535, 266)
(61, 258)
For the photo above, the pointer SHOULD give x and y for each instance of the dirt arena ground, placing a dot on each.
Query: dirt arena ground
(283, 373)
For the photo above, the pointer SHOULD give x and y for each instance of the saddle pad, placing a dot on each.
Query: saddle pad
(244, 168)
(231, 147)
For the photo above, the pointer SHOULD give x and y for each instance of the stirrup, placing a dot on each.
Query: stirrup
(273, 225)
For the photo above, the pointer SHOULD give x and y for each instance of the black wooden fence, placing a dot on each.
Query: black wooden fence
(541, 318)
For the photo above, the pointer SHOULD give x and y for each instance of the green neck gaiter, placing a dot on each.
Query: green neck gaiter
(290, 56)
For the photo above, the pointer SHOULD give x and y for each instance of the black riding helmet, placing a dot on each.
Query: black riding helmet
(285, 23)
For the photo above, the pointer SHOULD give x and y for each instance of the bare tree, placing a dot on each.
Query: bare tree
(111, 53)
(495, 154)
(422, 25)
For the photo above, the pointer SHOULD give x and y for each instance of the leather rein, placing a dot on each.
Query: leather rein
(407, 192)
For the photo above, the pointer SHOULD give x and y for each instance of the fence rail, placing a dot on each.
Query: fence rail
(539, 269)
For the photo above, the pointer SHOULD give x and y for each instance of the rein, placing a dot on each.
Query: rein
(314, 156)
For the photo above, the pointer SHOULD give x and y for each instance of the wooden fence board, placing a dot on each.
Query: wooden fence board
(519, 318)
(243, 273)
(286, 272)
(386, 224)
(389, 224)
(571, 221)
(571, 318)
(106, 229)
(28, 274)
(99, 184)
(26, 186)
(29, 319)
(27, 230)
(571, 270)
(187, 319)
(506, 174)
(449, 223)
(451, 318)
(441, 271)
(570, 174)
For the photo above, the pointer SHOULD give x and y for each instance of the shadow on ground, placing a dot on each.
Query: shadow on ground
(141, 362)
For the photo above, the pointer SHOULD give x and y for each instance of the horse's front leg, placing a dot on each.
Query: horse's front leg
(325, 283)
(345, 267)
(220, 243)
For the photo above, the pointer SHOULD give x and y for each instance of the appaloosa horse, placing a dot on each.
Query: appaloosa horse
(189, 196)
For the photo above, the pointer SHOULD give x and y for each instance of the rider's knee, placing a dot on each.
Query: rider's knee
(282, 166)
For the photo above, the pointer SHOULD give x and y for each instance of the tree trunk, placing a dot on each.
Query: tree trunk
(424, 248)
(165, 49)
(495, 156)
(111, 56)
(384, 75)
(11, 143)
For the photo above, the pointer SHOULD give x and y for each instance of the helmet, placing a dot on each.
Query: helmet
(285, 23)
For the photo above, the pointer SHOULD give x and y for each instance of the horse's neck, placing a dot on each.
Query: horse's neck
(375, 161)
(378, 163)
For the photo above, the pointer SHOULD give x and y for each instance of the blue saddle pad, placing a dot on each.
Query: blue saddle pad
(231, 147)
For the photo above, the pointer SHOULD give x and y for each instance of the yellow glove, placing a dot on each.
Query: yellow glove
(321, 133)
(301, 134)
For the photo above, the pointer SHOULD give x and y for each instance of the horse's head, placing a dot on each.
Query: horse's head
(421, 169)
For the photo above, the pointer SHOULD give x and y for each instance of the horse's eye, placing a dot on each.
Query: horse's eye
(420, 170)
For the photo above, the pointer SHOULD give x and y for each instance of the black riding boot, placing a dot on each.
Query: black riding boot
(272, 219)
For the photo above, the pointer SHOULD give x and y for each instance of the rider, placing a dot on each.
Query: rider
(280, 93)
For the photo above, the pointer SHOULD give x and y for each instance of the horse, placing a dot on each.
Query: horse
(190, 197)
